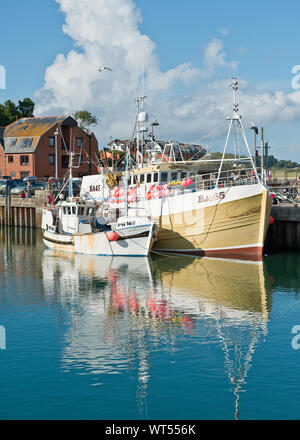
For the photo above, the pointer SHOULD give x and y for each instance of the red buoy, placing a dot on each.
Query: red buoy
(112, 236)
(271, 220)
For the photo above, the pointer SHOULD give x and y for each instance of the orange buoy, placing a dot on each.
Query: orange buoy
(112, 236)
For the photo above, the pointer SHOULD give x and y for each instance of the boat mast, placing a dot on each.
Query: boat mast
(70, 174)
(126, 182)
(138, 128)
(237, 120)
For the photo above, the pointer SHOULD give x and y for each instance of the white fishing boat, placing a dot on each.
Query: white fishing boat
(203, 206)
(72, 225)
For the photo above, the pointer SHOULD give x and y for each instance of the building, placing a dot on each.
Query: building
(40, 147)
(160, 150)
(2, 154)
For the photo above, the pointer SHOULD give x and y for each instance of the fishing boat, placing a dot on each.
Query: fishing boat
(213, 207)
(73, 225)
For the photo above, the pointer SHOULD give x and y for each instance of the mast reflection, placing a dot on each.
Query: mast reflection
(122, 310)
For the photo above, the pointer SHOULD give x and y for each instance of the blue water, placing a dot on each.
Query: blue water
(165, 338)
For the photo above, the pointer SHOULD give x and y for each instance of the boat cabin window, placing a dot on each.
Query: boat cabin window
(90, 211)
(155, 177)
(173, 176)
(149, 178)
(69, 210)
(64, 210)
(183, 175)
(81, 210)
(74, 210)
(164, 178)
(142, 178)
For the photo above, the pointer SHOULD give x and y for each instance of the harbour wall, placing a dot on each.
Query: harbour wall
(283, 235)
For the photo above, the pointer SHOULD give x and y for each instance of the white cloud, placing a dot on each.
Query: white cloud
(215, 57)
(224, 31)
(187, 101)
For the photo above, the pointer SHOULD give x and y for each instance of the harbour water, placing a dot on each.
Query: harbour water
(146, 339)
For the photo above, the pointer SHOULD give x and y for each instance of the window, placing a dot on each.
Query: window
(13, 174)
(51, 141)
(10, 159)
(148, 178)
(155, 177)
(26, 142)
(173, 176)
(79, 142)
(24, 160)
(13, 142)
(142, 178)
(51, 159)
(183, 175)
(64, 161)
(164, 177)
(79, 159)
(74, 210)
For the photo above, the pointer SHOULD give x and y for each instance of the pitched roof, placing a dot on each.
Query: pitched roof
(1, 136)
(27, 127)
(24, 134)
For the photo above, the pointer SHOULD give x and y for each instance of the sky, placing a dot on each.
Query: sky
(180, 54)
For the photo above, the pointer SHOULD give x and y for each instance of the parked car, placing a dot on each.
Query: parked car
(30, 178)
(32, 188)
(8, 183)
(35, 185)
(18, 189)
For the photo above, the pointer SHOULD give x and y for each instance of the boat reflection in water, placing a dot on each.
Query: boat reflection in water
(122, 311)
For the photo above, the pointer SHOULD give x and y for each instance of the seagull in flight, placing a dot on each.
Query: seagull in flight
(104, 68)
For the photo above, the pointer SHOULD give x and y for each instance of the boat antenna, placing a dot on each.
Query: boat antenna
(237, 120)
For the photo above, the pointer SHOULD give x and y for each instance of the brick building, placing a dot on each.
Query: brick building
(2, 154)
(29, 148)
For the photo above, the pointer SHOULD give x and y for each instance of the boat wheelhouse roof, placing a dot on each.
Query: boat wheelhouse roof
(203, 165)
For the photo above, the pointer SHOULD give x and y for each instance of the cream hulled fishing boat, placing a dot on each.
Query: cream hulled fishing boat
(201, 207)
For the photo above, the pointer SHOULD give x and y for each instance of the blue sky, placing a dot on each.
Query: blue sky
(260, 42)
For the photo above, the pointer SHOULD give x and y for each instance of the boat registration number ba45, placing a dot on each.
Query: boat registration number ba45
(211, 197)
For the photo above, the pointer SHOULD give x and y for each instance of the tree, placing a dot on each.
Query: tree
(10, 112)
(85, 119)
(25, 108)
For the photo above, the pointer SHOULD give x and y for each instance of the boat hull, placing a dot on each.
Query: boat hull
(131, 242)
(233, 226)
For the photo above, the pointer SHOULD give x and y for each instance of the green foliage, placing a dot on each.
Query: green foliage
(85, 119)
(26, 108)
(10, 112)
